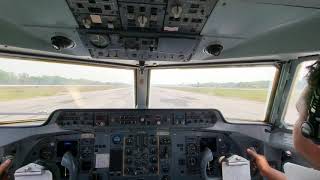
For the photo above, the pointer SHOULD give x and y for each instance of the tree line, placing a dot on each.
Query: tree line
(249, 85)
(9, 78)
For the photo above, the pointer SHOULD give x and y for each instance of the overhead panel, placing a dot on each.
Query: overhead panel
(96, 14)
(148, 17)
(188, 16)
(134, 29)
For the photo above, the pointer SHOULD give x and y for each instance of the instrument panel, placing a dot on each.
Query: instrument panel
(133, 155)
(131, 144)
(151, 118)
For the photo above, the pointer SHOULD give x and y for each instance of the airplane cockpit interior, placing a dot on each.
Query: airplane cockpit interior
(152, 89)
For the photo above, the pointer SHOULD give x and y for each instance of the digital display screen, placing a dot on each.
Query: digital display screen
(116, 160)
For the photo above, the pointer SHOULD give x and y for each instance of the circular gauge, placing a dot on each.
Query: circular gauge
(99, 41)
(116, 139)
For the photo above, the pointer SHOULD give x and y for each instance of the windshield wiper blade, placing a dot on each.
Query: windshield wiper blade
(23, 113)
(21, 121)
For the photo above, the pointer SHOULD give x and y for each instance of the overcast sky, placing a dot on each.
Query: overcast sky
(34, 68)
(218, 75)
(170, 76)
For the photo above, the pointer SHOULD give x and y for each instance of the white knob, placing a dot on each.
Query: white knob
(87, 23)
(176, 11)
(142, 21)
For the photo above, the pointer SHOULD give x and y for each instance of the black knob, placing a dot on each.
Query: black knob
(164, 153)
(165, 141)
(153, 141)
(128, 170)
(153, 169)
(153, 150)
(154, 159)
(129, 141)
(128, 151)
(192, 161)
(165, 168)
(135, 173)
(166, 177)
(192, 148)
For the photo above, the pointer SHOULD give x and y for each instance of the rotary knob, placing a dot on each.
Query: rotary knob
(166, 177)
(142, 120)
(129, 141)
(128, 151)
(164, 153)
(192, 161)
(176, 11)
(100, 123)
(142, 21)
(153, 150)
(87, 23)
(153, 169)
(165, 168)
(153, 159)
(128, 170)
(153, 141)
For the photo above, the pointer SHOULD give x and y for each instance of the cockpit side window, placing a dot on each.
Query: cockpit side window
(299, 84)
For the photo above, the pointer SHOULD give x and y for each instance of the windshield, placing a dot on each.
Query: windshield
(240, 93)
(31, 90)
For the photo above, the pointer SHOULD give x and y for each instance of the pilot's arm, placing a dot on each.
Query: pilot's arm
(3, 169)
(265, 169)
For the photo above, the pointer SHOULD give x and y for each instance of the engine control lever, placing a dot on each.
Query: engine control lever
(206, 157)
(69, 162)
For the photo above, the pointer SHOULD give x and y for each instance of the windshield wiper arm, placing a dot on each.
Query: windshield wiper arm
(23, 113)
(21, 121)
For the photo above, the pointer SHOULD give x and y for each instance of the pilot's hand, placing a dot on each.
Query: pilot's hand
(4, 168)
(261, 162)
(265, 169)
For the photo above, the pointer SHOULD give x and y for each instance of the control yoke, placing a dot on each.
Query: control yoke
(206, 157)
(69, 162)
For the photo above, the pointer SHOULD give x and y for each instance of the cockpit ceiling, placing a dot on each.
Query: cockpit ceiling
(161, 31)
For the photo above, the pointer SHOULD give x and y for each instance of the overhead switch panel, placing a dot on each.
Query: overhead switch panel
(182, 19)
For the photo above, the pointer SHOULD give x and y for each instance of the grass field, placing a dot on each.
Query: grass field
(248, 94)
(9, 93)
